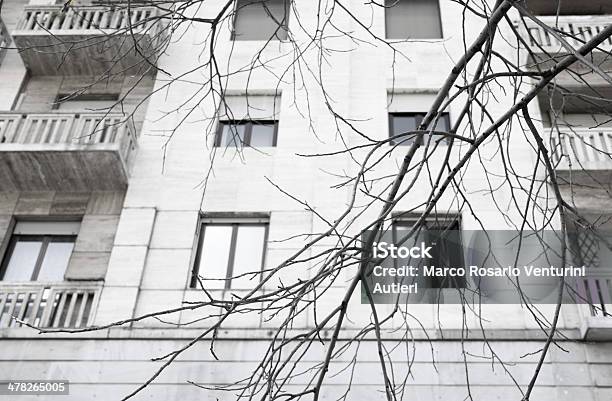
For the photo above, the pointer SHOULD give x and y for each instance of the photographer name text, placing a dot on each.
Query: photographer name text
(384, 250)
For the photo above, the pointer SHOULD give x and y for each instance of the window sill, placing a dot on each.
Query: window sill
(415, 40)
(260, 40)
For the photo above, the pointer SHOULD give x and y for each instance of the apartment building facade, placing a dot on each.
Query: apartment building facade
(116, 193)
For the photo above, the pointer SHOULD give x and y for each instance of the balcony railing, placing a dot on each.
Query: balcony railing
(81, 151)
(596, 290)
(583, 149)
(87, 39)
(66, 305)
(575, 30)
(95, 20)
(61, 128)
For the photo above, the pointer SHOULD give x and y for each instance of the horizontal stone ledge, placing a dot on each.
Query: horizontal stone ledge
(263, 334)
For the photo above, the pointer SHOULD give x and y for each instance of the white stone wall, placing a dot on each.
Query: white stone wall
(164, 198)
(153, 249)
(110, 369)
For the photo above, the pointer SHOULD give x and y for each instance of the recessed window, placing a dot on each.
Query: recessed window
(230, 253)
(400, 123)
(559, 7)
(445, 233)
(39, 251)
(261, 19)
(413, 19)
(85, 102)
(253, 133)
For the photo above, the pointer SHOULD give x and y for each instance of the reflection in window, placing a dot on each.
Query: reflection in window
(261, 19)
(56, 259)
(413, 19)
(227, 251)
(542, 7)
(400, 123)
(445, 234)
(102, 102)
(38, 258)
(253, 133)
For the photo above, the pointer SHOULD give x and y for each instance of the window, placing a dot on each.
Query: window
(253, 133)
(228, 250)
(39, 251)
(445, 234)
(261, 20)
(413, 19)
(85, 102)
(400, 123)
(559, 7)
(591, 247)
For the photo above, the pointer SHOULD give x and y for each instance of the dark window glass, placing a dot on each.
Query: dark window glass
(413, 19)
(85, 102)
(37, 258)
(564, 7)
(227, 252)
(445, 233)
(261, 19)
(400, 123)
(247, 133)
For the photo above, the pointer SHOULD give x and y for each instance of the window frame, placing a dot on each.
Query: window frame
(387, 9)
(419, 118)
(284, 26)
(235, 224)
(437, 221)
(248, 130)
(46, 239)
(84, 97)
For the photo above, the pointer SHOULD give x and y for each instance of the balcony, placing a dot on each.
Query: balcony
(65, 305)
(575, 30)
(64, 151)
(86, 40)
(584, 154)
